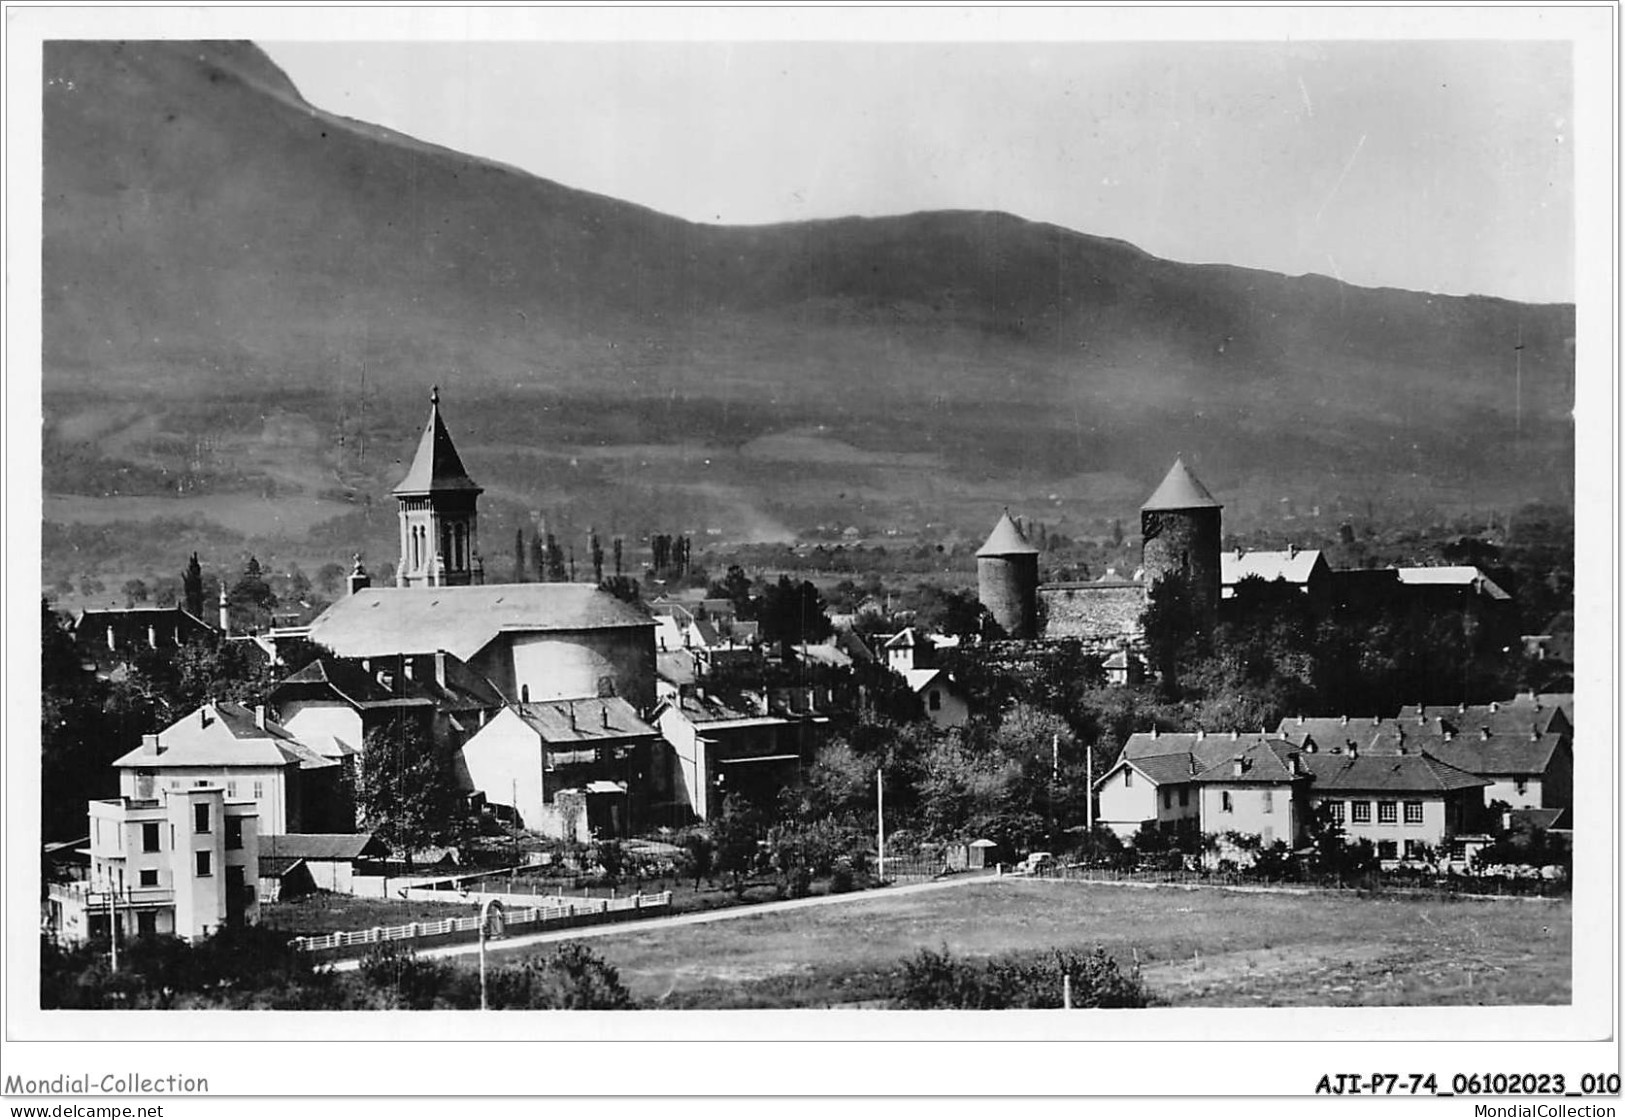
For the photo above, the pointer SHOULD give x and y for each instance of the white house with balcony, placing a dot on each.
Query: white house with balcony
(183, 863)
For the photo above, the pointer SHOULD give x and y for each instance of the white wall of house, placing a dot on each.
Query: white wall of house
(1518, 792)
(504, 760)
(943, 707)
(322, 717)
(689, 763)
(1266, 811)
(1127, 799)
(275, 796)
(571, 664)
(1433, 829)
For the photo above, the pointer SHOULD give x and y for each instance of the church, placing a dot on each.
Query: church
(534, 642)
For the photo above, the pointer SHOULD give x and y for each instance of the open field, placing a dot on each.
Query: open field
(1197, 948)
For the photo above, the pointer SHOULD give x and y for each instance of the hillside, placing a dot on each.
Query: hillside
(246, 295)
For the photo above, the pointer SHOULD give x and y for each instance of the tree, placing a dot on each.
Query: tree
(251, 599)
(135, 591)
(735, 832)
(793, 614)
(406, 789)
(699, 851)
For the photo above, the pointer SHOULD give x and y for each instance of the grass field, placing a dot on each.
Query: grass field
(1196, 948)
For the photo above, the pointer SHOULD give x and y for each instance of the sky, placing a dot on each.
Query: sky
(1441, 166)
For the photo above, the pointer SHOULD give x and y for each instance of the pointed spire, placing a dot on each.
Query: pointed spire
(1181, 490)
(1006, 540)
(436, 467)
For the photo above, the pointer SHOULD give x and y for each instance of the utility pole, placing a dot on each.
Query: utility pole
(1089, 777)
(880, 821)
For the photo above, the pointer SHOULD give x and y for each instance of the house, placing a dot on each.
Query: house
(1303, 570)
(944, 704)
(1409, 806)
(734, 746)
(1526, 712)
(327, 861)
(1406, 803)
(1261, 790)
(346, 698)
(1334, 731)
(293, 787)
(1525, 771)
(571, 769)
(908, 649)
(1124, 668)
(1453, 581)
(111, 638)
(1148, 789)
(182, 863)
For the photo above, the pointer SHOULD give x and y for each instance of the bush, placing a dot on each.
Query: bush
(938, 980)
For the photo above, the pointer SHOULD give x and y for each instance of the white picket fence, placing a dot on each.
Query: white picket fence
(569, 912)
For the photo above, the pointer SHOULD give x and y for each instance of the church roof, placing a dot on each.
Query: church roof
(1006, 540)
(381, 621)
(436, 467)
(1181, 490)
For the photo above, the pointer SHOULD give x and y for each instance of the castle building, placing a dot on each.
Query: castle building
(1007, 579)
(1179, 530)
(439, 519)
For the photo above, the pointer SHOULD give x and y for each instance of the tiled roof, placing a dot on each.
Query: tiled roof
(1538, 818)
(1180, 489)
(1333, 731)
(1418, 773)
(323, 845)
(1523, 715)
(1466, 577)
(676, 666)
(1293, 566)
(345, 678)
(1166, 769)
(225, 734)
(710, 708)
(1264, 761)
(381, 621)
(436, 468)
(1500, 755)
(1006, 540)
(1208, 748)
(583, 721)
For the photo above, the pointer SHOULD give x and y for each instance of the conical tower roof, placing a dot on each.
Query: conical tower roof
(1006, 540)
(436, 468)
(1181, 490)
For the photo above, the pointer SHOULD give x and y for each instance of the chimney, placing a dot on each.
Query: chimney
(1449, 735)
(440, 667)
(225, 612)
(1534, 734)
(408, 665)
(603, 711)
(1343, 721)
(1154, 732)
(1354, 749)
(1300, 720)
(1238, 766)
(1461, 708)
(1294, 763)
(1495, 705)
(151, 746)
(1309, 746)
(1291, 552)
(204, 718)
(1200, 734)
(1234, 734)
(1484, 733)
(572, 710)
(358, 579)
(259, 716)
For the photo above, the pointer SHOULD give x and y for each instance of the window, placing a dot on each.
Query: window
(149, 876)
(1225, 805)
(1387, 812)
(1167, 799)
(1269, 801)
(231, 789)
(234, 832)
(200, 814)
(1387, 849)
(259, 790)
(150, 838)
(1184, 797)
(1521, 786)
(1413, 812)
(205, 866)
(936, 700)
(1334, 810)
(1128, 778)
(1360, 812)
(1413, 849)
(1267, 837)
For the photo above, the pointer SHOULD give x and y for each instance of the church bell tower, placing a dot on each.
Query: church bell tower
(438, 513)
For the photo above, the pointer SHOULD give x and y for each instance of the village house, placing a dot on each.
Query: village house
(735, 746)
(253, 758)
(181, 863)
(570, 769)
(1303, 570)
(940, 696)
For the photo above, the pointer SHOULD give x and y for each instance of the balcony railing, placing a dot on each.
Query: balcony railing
(93, 897)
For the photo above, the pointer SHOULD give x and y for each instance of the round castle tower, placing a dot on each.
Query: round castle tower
(1007, 580)
(1179, 528)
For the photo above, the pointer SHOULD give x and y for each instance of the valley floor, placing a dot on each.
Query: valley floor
(1196, 948)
